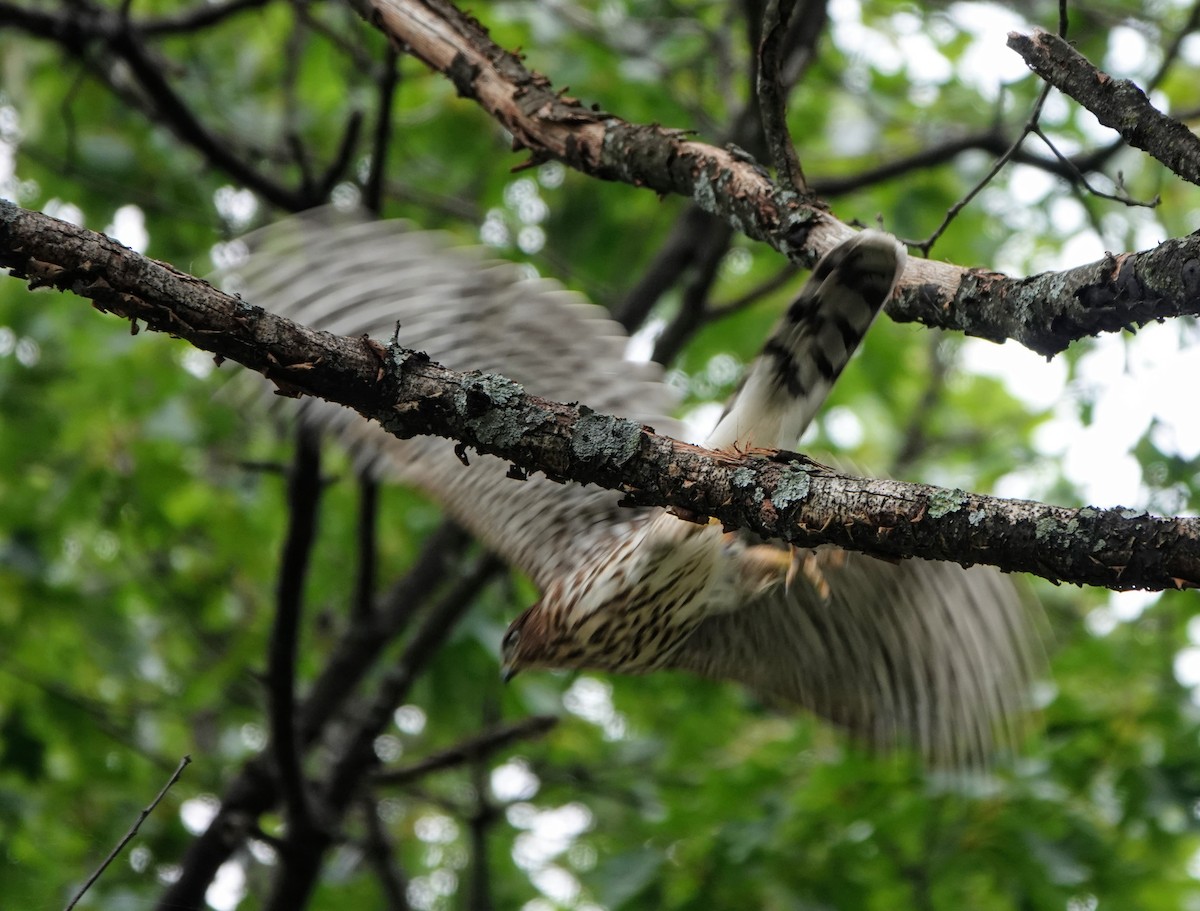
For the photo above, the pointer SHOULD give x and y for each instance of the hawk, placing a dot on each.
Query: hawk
(920, 653)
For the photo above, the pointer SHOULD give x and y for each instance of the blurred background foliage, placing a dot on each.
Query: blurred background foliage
(142, 513)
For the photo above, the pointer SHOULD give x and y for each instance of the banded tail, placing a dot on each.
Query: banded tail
(802, 359)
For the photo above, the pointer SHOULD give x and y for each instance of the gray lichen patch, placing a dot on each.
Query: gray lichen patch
(489, 390)
(487, 402)
(1046, 528)
(944, 502)
(744, 478)
(603, 438)
(793, 487)
(401, 357)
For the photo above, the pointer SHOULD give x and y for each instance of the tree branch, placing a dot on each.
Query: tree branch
(479, 746)
(784, 496)
(1045, 313)
(1117, 103)
(303, 495)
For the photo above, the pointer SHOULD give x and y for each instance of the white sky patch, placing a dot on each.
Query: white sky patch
(1189, 50)
(514, 780)
(129, 227)
(66, 211)
(556, 884)
(1187, 666)
(1027, 375)
(843, 427)
(548, 833)
(641, 344)
(228, 887)
(197, 812)
(987, 63)
(700, 421)
(1129, 55)
(236, 206)
(410, 719)
(591, 700)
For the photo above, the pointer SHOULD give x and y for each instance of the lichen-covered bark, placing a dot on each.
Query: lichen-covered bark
(785, 496)
(1047, 312)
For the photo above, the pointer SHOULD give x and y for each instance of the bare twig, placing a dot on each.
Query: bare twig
(769, 286)
(478, 746)
(254, 790)
(297, 874)
(997, 166)
(133, 830)
(1121, 197)
(202, 15)
(693, 308)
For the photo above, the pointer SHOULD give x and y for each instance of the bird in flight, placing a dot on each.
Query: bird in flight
(917, 653)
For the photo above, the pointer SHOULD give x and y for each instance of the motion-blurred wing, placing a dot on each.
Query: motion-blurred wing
(919, 653)
(352, 277)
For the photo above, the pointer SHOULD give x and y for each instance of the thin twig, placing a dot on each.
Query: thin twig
(693, 309)
(486, 742)
(769, 286)
(133, 830)
(926, 245)
(1030, 125)
(1122, 197)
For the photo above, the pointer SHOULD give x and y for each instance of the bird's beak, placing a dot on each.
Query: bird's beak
(507, 673)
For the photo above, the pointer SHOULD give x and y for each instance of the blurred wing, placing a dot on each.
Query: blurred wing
(926, 654)
(352, 277)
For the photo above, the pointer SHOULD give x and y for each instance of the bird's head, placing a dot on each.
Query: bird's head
(524, 643)
(559, 631)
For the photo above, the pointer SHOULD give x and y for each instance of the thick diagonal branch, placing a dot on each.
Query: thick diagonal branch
(1117, 103)
(786, 497)
(1045, 313)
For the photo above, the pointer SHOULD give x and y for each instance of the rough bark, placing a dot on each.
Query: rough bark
(1117, 103)
(785, 496)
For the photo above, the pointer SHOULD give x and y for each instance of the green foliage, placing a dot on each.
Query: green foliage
(140, 533)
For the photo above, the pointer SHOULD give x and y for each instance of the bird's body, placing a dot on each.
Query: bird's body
(922, 652)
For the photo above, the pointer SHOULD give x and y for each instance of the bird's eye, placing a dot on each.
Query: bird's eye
(511, 638)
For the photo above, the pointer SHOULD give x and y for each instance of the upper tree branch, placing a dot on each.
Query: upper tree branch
(1117, 103)
(786, 497)
(1045, 313)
